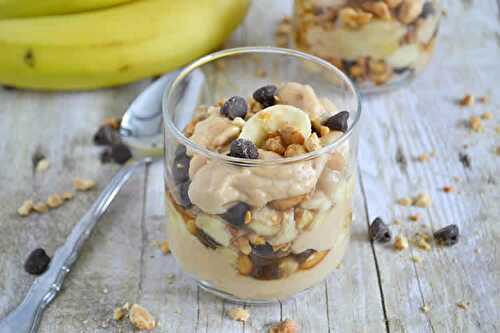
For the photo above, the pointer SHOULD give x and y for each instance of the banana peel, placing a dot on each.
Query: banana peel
(30, 8)
(113, 46)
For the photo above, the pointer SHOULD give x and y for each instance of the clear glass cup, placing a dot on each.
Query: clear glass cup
(380, 44)
(283, 246)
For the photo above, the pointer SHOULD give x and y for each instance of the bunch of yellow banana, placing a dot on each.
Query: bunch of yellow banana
(109, 46)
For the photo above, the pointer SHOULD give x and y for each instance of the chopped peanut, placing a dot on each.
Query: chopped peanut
(165, 247)
(475, 124)
(25, 208)
(274, 144)
(41, 207)
(81, 184)
(312, 143)
(141, 318)
(294, 150)
(467, 100)
(290, 135)
(400, 243)
(286, 326)
(54, 200)
(423, 200)
(410, 10)
(378, 8)
(239, 314)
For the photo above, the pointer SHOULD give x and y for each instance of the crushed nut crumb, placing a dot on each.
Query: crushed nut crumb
(475, 124)
(405, 201)
(290, 135)
(482, 99)
(463, 305)
(487, 115)
(294, 150)
(54, 200)
(40, 207)
(141, 318)
(238, 314)
(423, 200)
(67, 195)
(119, 313)
(423, 244)
(497, 129)
(312, 143)
(283, 32)
(397, 221)
(415, 217)
(497, 150)
(423, 157)
(26, 208)
(467, 100)
(81, 184)
(164, 247)
(42, 165)
(275, 145)
(113, 122)
(400, 242)
(448, 189)
(286, 326)
(425, 308)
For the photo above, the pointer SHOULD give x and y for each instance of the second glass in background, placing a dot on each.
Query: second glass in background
(379, 44)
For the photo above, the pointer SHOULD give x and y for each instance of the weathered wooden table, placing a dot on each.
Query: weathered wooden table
(377, 289)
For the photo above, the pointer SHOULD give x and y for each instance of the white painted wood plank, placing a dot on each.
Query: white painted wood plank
(30, 120)
(424, 118)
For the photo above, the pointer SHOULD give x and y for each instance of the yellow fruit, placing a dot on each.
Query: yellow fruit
(30, 8)
(113, 46)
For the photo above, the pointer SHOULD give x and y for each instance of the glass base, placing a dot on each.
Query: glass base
(234, 299)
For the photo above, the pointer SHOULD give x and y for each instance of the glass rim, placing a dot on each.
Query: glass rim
(179, 135)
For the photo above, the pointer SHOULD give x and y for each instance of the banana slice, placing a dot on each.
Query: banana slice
(214, 227)
(273, 118)
(317, 201)
(266, 221)
(288, 230)
(404, 56)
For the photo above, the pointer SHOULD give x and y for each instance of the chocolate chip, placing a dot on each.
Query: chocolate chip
(236, 214)
(120, 153)
(267, 272)
(180, 168)
(464, 158)
(106, 135)
(427, 10)
(105, 156)
(302, 256)
(448, 235)
(338, 122)
(206, 240)
(264, 254)
(37, 262)
(265, 95)
(243, 149)
(235, 106)
(378, 231)
(180, 150)
(400, 70)
(182, 194)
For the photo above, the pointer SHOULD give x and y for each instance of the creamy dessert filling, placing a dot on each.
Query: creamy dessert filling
(372, 41)
(262, 231)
